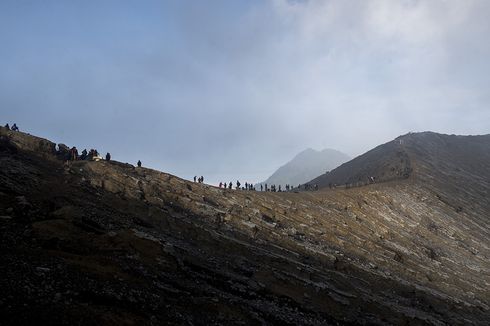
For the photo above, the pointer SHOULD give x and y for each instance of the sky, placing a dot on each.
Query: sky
(234, 89)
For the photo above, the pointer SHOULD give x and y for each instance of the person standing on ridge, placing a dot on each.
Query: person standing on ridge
(108, 156)
(195, 178)
(7, 126)
(14, 127)
(73, 153)
(139, 163)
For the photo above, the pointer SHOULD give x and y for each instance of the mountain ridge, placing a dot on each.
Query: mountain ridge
(109, 243)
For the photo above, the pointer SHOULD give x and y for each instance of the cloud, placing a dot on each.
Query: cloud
(238, 88)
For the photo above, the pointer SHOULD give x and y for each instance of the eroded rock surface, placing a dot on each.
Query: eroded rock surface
(107, 243)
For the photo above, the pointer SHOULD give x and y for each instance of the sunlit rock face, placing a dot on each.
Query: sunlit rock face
(108, 243)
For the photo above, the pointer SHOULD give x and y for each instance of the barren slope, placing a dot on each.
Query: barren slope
(107, 243)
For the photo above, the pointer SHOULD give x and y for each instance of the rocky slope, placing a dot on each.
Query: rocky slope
(305, 166)
(93, 243)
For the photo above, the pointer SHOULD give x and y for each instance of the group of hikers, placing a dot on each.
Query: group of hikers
(273, 188)
(71, 154)
(13, 128)
(92, 155)
(263, 187)
(309, 187)
(247, 186)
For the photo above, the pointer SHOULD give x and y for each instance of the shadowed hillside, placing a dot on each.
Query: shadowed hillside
(94, 243)
(443, 159)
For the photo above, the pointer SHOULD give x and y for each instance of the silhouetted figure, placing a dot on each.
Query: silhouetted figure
(108, 156)
(230, 185)
(261, 187)
(279, 188)
(266, 187)
(7, 126)
(73, 154)
(220, 184)
(202, 179)
(195, 178)
(84, 155)
(139, 163)
(14, 127)
(238, 185)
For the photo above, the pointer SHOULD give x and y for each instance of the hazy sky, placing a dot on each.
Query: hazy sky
(234, 89)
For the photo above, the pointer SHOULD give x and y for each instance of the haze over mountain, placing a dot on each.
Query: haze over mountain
(245, 84)
(107, 243)
(305, 166)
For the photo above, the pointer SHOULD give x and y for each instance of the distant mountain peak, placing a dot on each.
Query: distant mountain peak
(306, 165)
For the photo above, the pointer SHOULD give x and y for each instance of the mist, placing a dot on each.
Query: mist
(233, 90)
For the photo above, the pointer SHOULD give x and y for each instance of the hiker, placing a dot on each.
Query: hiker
(261, 187)
(108, 156)
(7, 126)
(246, 185)
(266, 187)
(139, 163)
(238, 185)
(202, 179)
(14, 127)
(230, 185)
(220, 184)
(73, 154)
(195, 177)
(84, 155)
(279, 188)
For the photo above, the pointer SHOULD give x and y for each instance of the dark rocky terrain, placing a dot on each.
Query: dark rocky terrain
(105, 243)
(305, 166)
